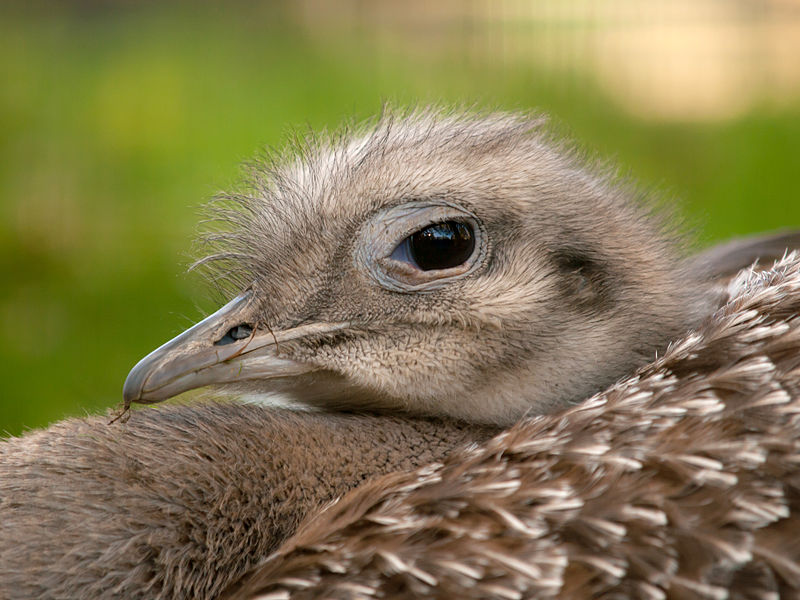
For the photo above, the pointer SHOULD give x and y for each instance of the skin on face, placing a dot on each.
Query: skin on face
(561, 281)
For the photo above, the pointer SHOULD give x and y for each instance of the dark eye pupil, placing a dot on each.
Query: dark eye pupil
(442, 245)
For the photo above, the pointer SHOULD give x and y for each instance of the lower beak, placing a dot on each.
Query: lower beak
(225, 347)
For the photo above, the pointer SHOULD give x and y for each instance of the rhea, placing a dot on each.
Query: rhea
(432, 263)
(438, 263)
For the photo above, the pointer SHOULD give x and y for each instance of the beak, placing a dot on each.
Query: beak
(225, 347)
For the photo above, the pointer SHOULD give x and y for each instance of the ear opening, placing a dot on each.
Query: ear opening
(585, 279)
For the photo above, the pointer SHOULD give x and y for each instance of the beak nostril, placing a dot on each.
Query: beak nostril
(235, 333)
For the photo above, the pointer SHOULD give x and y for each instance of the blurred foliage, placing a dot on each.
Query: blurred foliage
(118, 121)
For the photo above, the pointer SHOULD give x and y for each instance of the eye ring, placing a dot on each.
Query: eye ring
(383, 247)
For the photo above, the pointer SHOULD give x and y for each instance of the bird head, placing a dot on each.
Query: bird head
(431, 262)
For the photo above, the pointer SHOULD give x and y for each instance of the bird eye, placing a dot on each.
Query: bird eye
(439, 246)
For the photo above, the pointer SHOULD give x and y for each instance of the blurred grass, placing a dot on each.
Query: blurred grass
(117, 123)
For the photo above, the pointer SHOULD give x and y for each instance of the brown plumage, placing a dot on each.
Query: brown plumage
(178, 502)
(679, 482)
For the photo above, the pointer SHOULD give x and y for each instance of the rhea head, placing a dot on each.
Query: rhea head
(432, 262)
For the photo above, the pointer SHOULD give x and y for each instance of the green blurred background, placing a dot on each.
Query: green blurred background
(118, 120)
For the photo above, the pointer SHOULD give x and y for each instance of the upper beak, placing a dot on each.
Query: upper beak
(207, 353)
